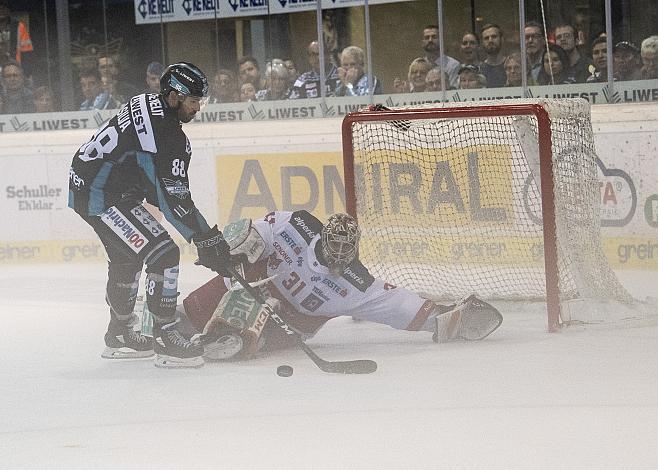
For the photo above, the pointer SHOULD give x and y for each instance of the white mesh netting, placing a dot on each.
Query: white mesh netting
(450, 206)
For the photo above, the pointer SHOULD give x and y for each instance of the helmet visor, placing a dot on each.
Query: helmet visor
(203, 101)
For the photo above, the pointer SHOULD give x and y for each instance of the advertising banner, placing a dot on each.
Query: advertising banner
(165, 11)
(254, 185)
(243, 169)
(595, 93)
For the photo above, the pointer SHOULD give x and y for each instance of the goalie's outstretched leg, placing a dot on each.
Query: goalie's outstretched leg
(471, 319)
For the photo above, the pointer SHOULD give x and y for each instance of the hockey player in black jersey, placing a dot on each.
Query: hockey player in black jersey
(142, 154)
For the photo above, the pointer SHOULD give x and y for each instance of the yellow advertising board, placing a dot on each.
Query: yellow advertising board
(439, 187)
(253, 185)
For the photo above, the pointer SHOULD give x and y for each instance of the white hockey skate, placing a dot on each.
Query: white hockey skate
(471, 319)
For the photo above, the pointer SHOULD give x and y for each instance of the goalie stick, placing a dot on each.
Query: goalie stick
(358, 366)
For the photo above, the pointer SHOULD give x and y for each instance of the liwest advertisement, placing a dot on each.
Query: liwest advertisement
(641, 91)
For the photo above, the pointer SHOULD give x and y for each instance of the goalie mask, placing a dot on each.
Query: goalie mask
(340, 240)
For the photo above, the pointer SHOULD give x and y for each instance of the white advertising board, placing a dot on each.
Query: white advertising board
(165, 11)
(642, 91)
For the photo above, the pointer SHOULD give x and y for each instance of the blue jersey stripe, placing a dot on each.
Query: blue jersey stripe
(97, 189)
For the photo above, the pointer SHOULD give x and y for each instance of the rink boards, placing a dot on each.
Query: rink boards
(248, 169)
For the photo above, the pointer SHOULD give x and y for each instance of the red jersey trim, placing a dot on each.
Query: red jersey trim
(421, 316)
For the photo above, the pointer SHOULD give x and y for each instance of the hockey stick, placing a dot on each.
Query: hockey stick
(359, 366)
(403, 125)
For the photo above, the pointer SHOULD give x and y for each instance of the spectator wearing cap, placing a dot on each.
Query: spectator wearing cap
(471, 78)
(153, 72)
(649, 55)
(556, 70)
(565, 37)
(599, 68)
(626, 62)
(492, 66)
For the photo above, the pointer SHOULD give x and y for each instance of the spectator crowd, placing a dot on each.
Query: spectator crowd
(554, 57)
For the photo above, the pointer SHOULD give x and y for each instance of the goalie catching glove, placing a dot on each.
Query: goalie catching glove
(214, 253)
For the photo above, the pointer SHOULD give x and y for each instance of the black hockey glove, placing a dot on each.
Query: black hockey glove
(214, 253)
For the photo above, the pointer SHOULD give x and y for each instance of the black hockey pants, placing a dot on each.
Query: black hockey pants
(132, 237)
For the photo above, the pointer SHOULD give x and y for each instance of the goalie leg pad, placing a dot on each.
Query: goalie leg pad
(219, 345)
(235, 329)
(471, 319)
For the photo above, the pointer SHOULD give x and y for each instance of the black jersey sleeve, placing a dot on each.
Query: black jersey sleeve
(167, 171)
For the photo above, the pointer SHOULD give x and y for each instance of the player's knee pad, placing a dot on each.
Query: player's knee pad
(162, 293)
(163, 254)
(122, 287)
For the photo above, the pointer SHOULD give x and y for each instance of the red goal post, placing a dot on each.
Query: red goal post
(463, 178)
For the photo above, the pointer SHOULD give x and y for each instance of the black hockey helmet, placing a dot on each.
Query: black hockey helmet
(184, 78)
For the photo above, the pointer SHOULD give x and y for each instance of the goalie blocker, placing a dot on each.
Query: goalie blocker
(310, 273)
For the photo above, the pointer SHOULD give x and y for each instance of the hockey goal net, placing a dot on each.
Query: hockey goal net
(496, 198)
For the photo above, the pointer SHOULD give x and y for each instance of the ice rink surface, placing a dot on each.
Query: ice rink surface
(584, 398)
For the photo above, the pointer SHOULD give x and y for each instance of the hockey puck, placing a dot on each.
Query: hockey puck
(284, 371)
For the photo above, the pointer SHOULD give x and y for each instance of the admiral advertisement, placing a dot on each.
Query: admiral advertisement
(460, 211)
(257, 184)
(242, 169)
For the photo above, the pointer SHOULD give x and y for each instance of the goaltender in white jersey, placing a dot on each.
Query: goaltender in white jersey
(314, 274)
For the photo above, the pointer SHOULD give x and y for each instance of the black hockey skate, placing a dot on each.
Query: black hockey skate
(122, 342)
(174, 350)
(471, 319)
